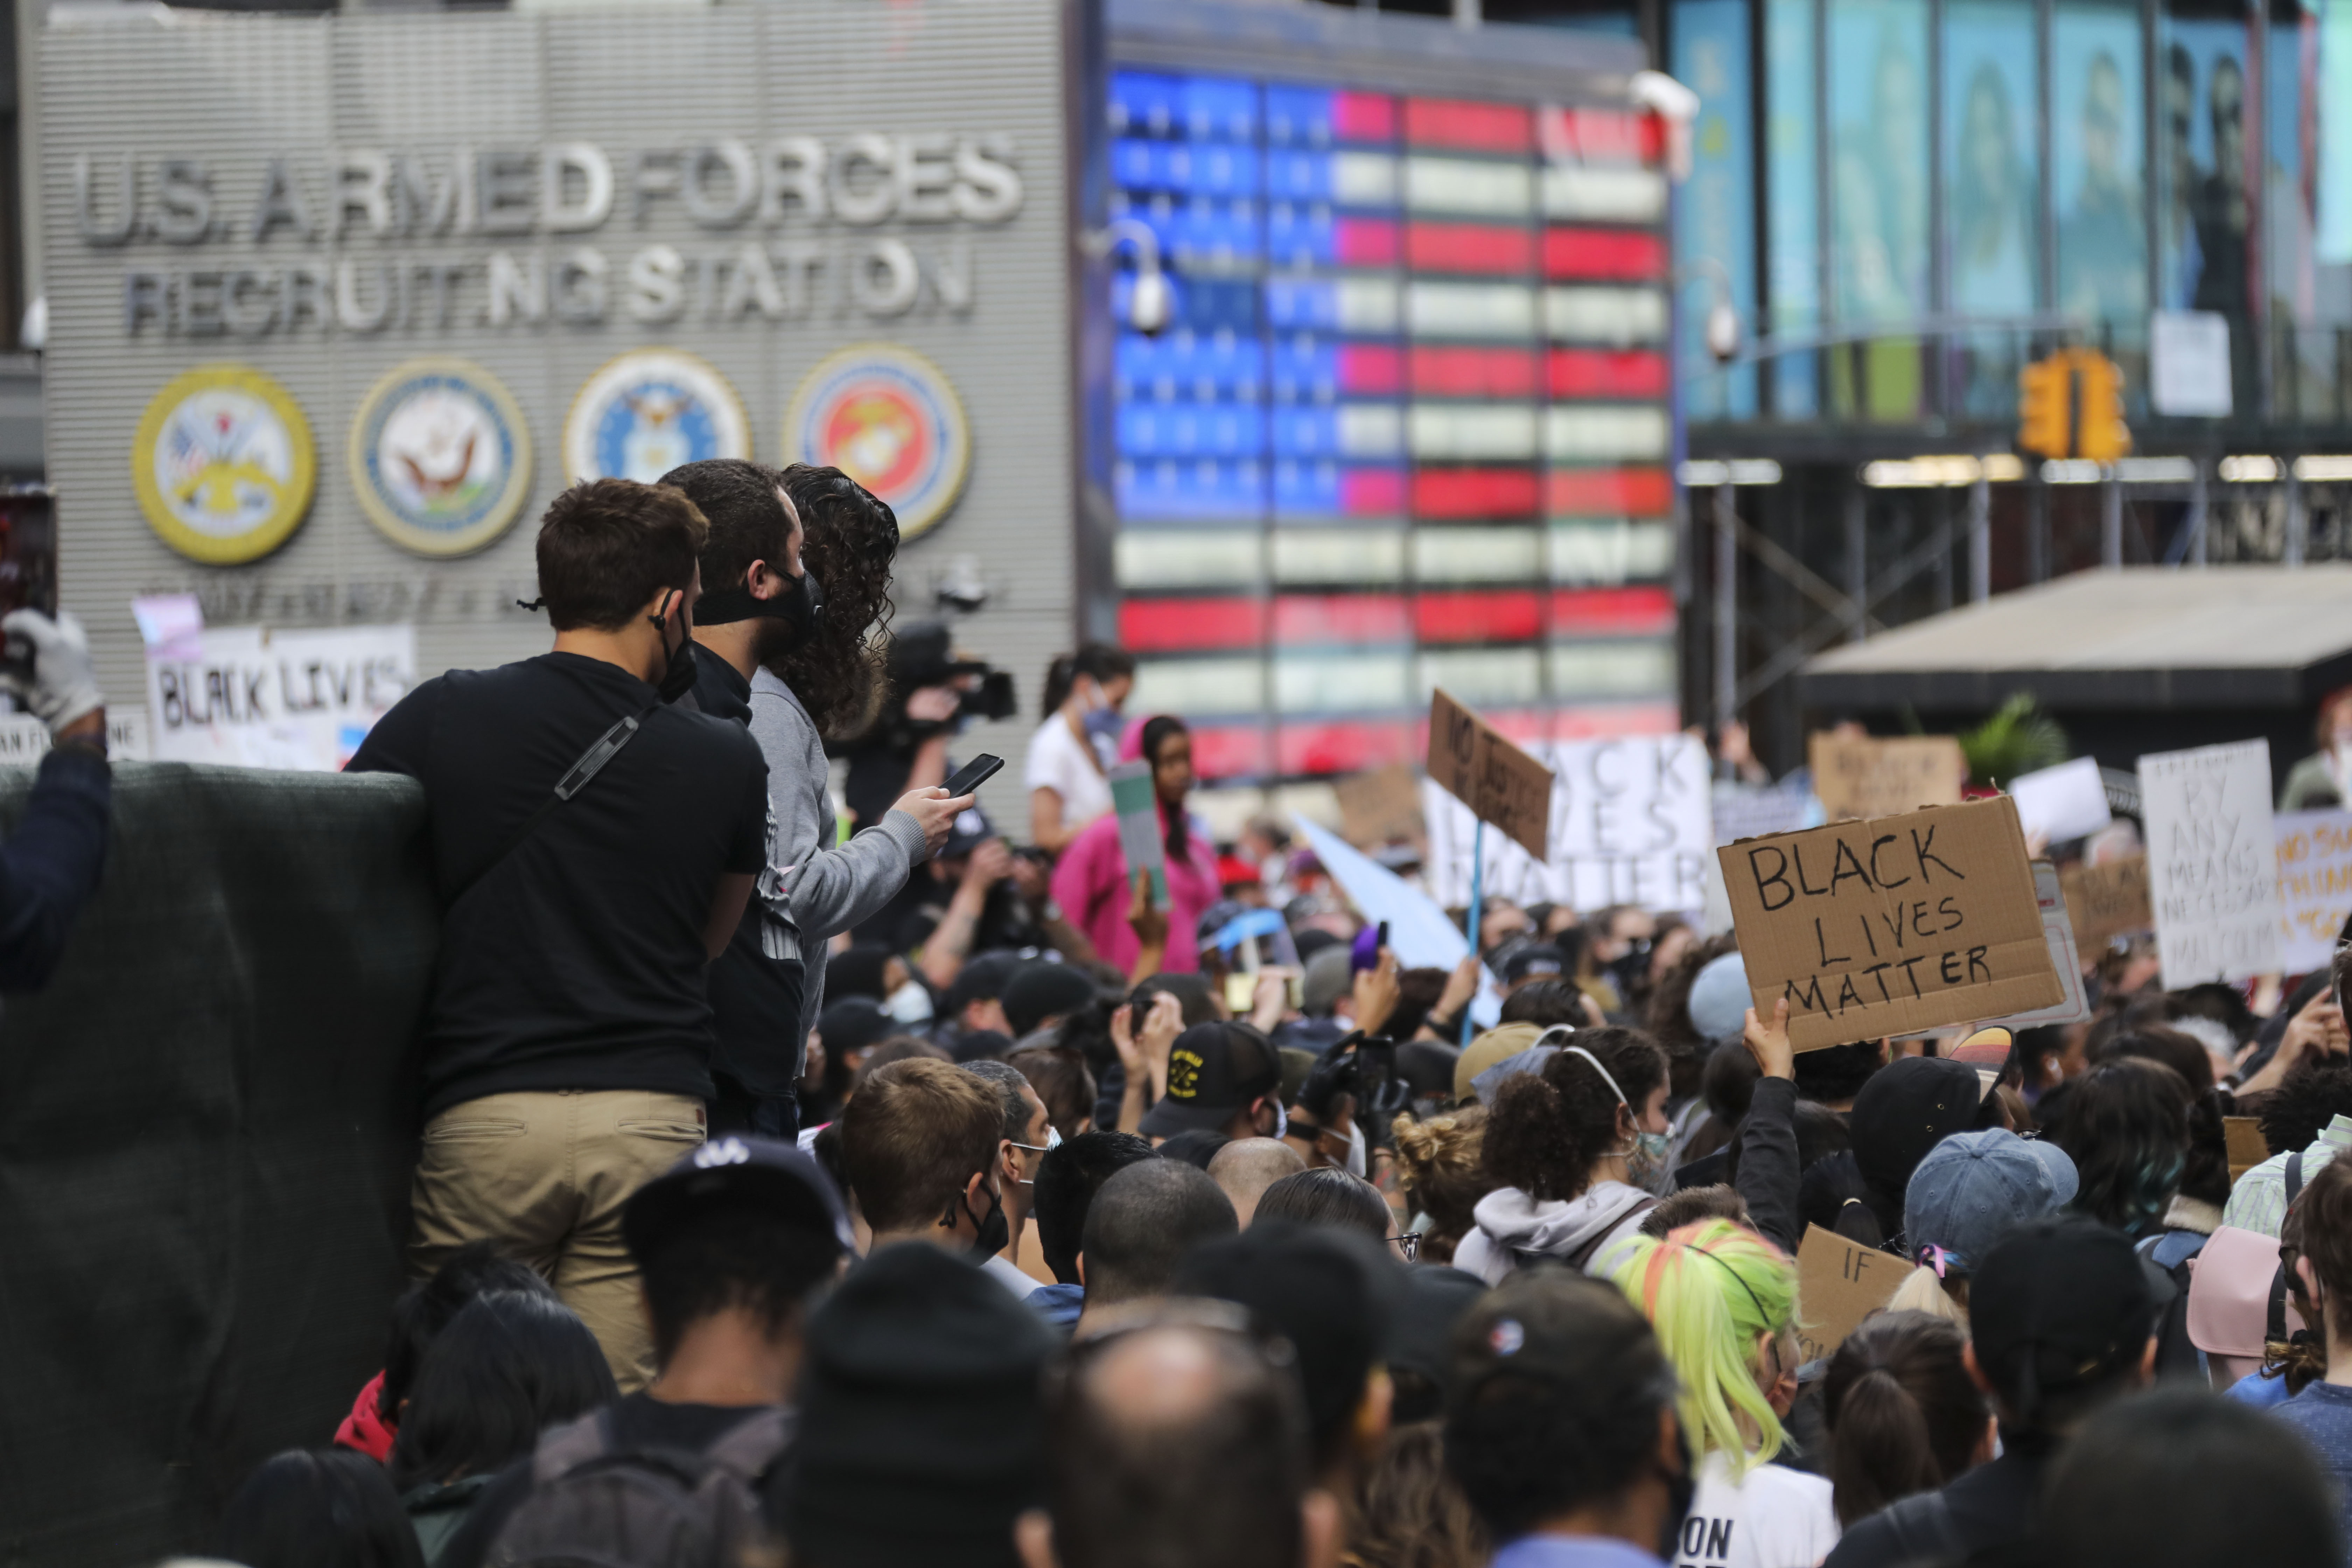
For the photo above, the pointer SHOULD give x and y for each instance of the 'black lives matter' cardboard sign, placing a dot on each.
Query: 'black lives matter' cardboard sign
(1894, 925)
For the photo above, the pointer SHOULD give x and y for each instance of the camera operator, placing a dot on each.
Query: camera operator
(796, 570)
(933, 691)
(50, 864)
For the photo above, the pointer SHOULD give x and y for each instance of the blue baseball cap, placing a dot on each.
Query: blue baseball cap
(1719, 998)
(1974, 1188)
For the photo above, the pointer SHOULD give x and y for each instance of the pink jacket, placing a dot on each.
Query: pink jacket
(1091, 885)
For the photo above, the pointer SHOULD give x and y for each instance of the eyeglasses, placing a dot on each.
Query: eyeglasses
(1408, 1243)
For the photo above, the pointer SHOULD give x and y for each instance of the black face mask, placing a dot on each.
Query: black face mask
(995, 1232)
(678, 675)
(798, 610)
(1681, 1487)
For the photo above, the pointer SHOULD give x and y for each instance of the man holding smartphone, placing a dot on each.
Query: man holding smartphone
(796, 569)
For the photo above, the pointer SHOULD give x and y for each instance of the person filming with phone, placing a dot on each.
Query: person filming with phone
(50, 864)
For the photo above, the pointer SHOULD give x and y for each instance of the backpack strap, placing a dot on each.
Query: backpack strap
(575, 778)
(564, 1449)
(751, 1446)
(1583, 1255)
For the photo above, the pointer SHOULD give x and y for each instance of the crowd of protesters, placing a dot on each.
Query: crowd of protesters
(881, 1195)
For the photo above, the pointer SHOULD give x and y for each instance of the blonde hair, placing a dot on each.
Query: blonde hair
(1710, 1291)
(1438, 1161)
(1922, 1291)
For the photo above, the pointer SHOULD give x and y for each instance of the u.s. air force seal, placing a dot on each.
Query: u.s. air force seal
(440, 455)
(648, 411)
(889, 418)
(222, 464)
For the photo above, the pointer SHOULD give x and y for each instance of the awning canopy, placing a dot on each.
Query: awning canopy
(2149, 638)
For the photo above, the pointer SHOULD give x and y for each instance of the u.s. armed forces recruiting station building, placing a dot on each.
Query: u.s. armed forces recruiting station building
(338, 303)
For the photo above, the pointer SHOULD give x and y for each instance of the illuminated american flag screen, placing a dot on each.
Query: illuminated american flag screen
(1409, 427)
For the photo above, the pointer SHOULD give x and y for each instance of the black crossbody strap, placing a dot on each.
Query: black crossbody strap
(576, 778)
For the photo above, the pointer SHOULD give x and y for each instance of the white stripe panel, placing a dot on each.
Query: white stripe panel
(1209, 558)
(1199, 685)
(1470, 309)
(1615, 316)
(1468, 185)
(1605, 433)
(1477, 554)
(1363, 179)
(1636, 666)
(1610, 550)
(1338, 555)
(1370, 429)
(1614, 196)
(1367, 305)
(1346, 683)
(1474, 433)
(1484, 676)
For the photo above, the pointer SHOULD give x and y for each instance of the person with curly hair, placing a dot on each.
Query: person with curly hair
(1438, 1161)
(1566, 1146)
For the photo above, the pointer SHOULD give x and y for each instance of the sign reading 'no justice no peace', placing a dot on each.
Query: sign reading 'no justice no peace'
(1892, 925)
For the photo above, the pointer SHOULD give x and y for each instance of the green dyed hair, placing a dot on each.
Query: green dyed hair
(1707, 1312)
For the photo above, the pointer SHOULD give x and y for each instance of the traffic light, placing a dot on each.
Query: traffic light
(2045, 415)
(2100, 433)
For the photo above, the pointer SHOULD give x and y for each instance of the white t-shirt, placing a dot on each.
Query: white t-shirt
(1060, 761)
(1773, 1517)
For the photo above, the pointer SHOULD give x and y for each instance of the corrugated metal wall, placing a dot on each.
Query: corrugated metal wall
(236, 91)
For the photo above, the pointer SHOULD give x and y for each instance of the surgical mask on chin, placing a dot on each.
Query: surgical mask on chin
(910, 1004)
(1355, 1150)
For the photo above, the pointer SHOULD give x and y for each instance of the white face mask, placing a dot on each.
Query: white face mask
(910, 1004)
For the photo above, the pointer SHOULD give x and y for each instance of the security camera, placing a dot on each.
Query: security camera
(1150, 304)
(1723, 332)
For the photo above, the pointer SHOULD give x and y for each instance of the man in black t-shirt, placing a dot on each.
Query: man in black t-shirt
(567, 1042)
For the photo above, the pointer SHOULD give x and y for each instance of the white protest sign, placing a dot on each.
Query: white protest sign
(2058, 929)
(1629, 824)
(2065, 802)
(24, 739)
(2212, 868)
(294, 700)
(2315, 875)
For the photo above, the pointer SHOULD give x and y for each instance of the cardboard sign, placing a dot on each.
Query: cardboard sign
(1892, 926)
(2103, 901)
(1838, 1283)
(2212, 867)
(24, 739)
(2059, 932)
(1861, 776)
(2069, 801)
(1501, 785)
(2243, 1137)
(294, 700)
(1135, 800)
(1379, 807)
(2314, 877)
(1629, 824)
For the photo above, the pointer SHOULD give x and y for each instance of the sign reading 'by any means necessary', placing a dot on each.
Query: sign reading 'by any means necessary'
(2212, 864)
(1894, 925)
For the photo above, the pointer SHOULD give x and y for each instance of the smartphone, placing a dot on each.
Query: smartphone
(1365, 951)
(973, 774)
(1375, 1070)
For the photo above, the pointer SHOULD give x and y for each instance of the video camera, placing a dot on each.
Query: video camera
(923, 655)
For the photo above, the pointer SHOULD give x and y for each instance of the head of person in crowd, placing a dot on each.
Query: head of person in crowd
(1562, 1418)
(1408, 1511)
(1585, 1125)
(619, 557)
(2314, 1093)
(2062, 1319)
(849, 537)
(1689, 1019)
(1166, 742)
(730, 1245)
(1059, 1074)
(1901, 1112)
(1499, 920)
(1522, 961)
(317, 1507)
(1332, 1295)
(1617, 940)
(1695, 1206)
(510, 1365)
(1723, 1301)
(980, 1045)
(1546, 1002)
(1196, 1147)
(921, 1144)
(1727, 1083)
(1424, 1309)
(2315, 1247)
(1329, 1196)
(1026, 1136)
(1328, 988)
(1193, 994)
(2125, 1125)
(1067, 1180)
(417, 1320)
(1090, 688)
(756, 593)
(2179, 1478)
(1041, 994)
(1903, 1414)
(1180, 1442)
(1440, 1160)
(921, 1428)
(1968, 1193)
(1417, 992)
(1834, 1076)
(1246, 1168)
(975, 1000)
(848, 1028)
(1820, 1133)
(1143, 1222)
(2205, 1169)
(1222, 1078)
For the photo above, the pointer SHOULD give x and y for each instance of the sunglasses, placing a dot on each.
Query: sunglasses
(1409, 1244)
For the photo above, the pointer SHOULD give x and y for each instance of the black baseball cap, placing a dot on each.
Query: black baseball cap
(1528, 960)
(2058, 1304)
(735, 1172)
(1905, 1108)
(983, 978)
(1042, 989)
(1213, 1070)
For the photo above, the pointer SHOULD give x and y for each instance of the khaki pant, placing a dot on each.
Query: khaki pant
(544, 1175)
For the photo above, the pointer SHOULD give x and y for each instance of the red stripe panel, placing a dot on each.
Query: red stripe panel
(1228, 750)
(1601, 136)
(1371, 493)
(1612, 612)
(1364, 241)
(1472, 373)
(1530, 727)
(1608, 493)
(1514, 614)
(1473, 492)
(1343, 748)
(1318, 618)
(1471, 127)
(1372, 369)
(1176, 625)
(1363, 117)
(1605, 373)
(1603, 253)
(1470, 248)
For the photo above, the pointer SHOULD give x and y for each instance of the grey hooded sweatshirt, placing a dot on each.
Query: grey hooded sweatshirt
(1511, 1222)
